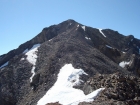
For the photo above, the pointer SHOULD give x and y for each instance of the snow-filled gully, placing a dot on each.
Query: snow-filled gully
(100, 30)
(63, 92)
(31, 57)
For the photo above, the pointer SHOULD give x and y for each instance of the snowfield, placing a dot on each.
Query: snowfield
(32, 54)
(124, 63)
(63, 91)
(31, 57)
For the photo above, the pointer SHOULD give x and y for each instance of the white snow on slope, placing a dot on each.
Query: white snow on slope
(50, 40)
(123, 52)
(124, 63)
(34, 46)
(31, 57)
(87, 38)
(113, 48)
(108, 46)
(63, 91)
(5, 64)
(25, 51)
(100, 30)
(32, 54)
(84, 27)
(77, 26)
(33, 73)
(22, 59)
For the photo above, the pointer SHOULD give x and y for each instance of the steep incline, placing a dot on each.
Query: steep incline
(109, 59)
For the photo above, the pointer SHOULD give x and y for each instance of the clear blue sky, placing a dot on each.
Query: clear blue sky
(21, 20)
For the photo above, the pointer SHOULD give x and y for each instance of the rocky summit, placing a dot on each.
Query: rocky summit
(72, 64)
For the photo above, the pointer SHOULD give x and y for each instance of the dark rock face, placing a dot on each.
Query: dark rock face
(88, 49)
(57, 103)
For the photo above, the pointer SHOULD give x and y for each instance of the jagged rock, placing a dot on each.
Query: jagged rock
(57, 103)
(119, 87)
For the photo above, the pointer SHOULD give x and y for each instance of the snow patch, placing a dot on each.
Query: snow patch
(124, 63)
(70, 23)
(22, 59)
(50, 40)
(31, 57)
(88, 38)
(88, 98)
(35, 46)
(123, 52)
(132, 40)
(100, 30)
(32, 54)
(113, 48)
(5, 64)
(84, 28)
(108, 46)
(33, 73)
(63, 91)
(77, 26)
(25, 51)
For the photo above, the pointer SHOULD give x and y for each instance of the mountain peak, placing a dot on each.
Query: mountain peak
(71, 20)
(67, 60)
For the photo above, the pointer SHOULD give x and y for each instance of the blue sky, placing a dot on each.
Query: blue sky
(21, 20)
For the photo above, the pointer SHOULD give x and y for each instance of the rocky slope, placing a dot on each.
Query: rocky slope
(110, 59)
